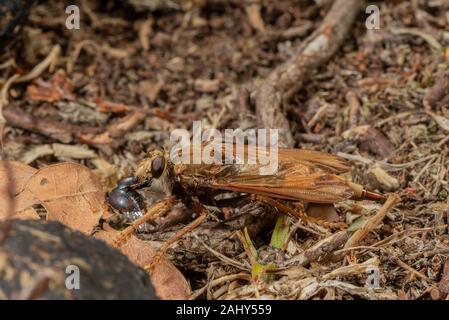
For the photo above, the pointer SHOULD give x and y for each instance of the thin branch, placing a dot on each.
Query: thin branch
(373, 222)
(291, 75)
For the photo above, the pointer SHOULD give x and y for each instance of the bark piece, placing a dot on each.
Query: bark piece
(354, 108)
(255, 17)
(438, 95)
(381, 179)
(443, 286)
(59, 131)
(371, 139)
(207, 85)
(321, 248)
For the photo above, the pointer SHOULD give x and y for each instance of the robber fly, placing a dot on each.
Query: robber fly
(301, 176)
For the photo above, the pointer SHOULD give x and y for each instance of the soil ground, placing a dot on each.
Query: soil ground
(138, 75)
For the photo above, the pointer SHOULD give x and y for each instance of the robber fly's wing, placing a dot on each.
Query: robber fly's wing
(309, 160)
(223, 153)
(289, 184)
(301, 175)
(316, 159)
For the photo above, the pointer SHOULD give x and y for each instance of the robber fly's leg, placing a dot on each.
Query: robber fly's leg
(298, 213)
(159, 209)
(202, 211)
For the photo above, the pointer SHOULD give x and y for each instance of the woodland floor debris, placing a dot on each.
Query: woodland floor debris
(378, 98)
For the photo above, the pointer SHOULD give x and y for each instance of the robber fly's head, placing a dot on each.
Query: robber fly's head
(157, 169)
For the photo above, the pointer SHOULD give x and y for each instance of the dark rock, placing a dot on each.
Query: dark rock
(35, 256)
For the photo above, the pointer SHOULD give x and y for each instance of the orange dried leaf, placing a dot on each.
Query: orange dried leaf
(167, 280)
(71, 194)
(19, 173)
(58, 88)
(28, 213)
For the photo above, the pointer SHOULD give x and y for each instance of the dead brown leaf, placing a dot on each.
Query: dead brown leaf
(70, 193)
(28, 213)
(58, 88)
(20, 173)
(167, 280)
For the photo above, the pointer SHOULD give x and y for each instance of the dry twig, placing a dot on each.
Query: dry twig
(373, 222)
(289, 77)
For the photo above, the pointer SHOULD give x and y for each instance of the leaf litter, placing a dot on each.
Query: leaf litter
(379, 100)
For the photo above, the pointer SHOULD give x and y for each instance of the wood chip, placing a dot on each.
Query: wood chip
(207, 85)
(255, 17)
(73, 151)
(371, 139)
(382, 180)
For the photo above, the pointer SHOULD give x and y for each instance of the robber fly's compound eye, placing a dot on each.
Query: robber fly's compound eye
(157, 166)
